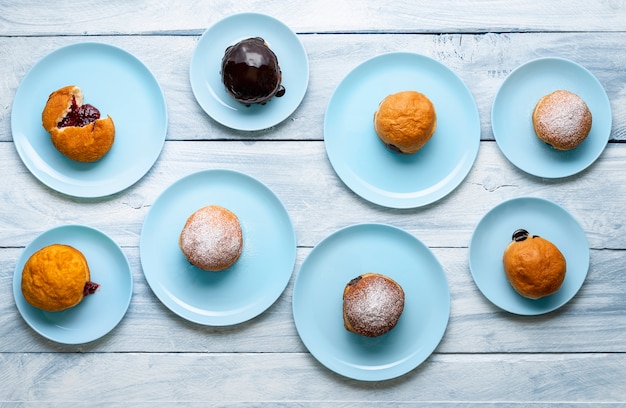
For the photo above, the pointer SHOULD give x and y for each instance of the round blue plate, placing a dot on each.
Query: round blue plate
(386, 178)
(248, 287)
(539, 217)
(318, 301)
(116, 83)
(206, 66)
(511, 117)
(97, 314)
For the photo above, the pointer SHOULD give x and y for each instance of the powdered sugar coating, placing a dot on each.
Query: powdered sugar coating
(372, 304)
(211, 238)
(562, 119)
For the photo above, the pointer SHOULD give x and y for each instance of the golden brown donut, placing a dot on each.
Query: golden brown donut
(76, 130)
(562, 119)
(56, 277)
(211, 238)
(372, 304)
(533, 265)
(405, 121)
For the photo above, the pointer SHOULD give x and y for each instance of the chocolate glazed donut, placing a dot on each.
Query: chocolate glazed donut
(250, 72)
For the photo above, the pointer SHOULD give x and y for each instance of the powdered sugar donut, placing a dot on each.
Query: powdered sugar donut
(211, 238)
(372, 304)
(562, 119)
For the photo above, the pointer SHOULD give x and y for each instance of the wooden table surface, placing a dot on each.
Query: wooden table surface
(573, 356)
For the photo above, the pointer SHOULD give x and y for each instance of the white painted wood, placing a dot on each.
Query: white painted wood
(317, 200)
(188, 16)
(481, 61)
(295, 379)
(574, 356)
(592, 322)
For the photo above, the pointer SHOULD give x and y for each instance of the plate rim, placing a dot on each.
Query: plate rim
(406, 203)
(202, 319)
(234, 124)
(17, 294)
(387, 373)
(78, 190)
(537, 201)
(592, 79)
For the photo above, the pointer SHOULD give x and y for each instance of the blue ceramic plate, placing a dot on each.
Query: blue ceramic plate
(362, 161)
(248, 287)
(97, 314)
(318, 294)
(116, 83)
(206, 66)
(511, 117)
(539, 217)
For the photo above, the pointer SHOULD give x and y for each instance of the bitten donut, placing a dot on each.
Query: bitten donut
(211, 238)
(405, 121)
(372, 304)
(562, 119)
(534, 266)
(56, 278)
(76, 129)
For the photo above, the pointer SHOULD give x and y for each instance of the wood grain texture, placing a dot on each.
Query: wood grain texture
(572, 357)
(297, 172)
(188, 16)
(299, 379)
(482, 61)
(592, 322)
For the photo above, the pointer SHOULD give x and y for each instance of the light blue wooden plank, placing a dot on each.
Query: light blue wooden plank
(185, 17)
(265, 379)
(481, 61)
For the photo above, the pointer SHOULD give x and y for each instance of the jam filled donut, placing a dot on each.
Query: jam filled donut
(533, 265)
(211, 238)
(405, 121)
(56, 278)
(372, 304)
(250, 72)
(76, 129)
(562, 120)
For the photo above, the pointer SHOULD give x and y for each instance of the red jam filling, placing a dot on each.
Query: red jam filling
(80, 115)
(90, 288)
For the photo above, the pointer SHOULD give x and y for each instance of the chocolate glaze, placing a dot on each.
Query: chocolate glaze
(394, 148)
(251, 73)
(354, 281)
(520, 235)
